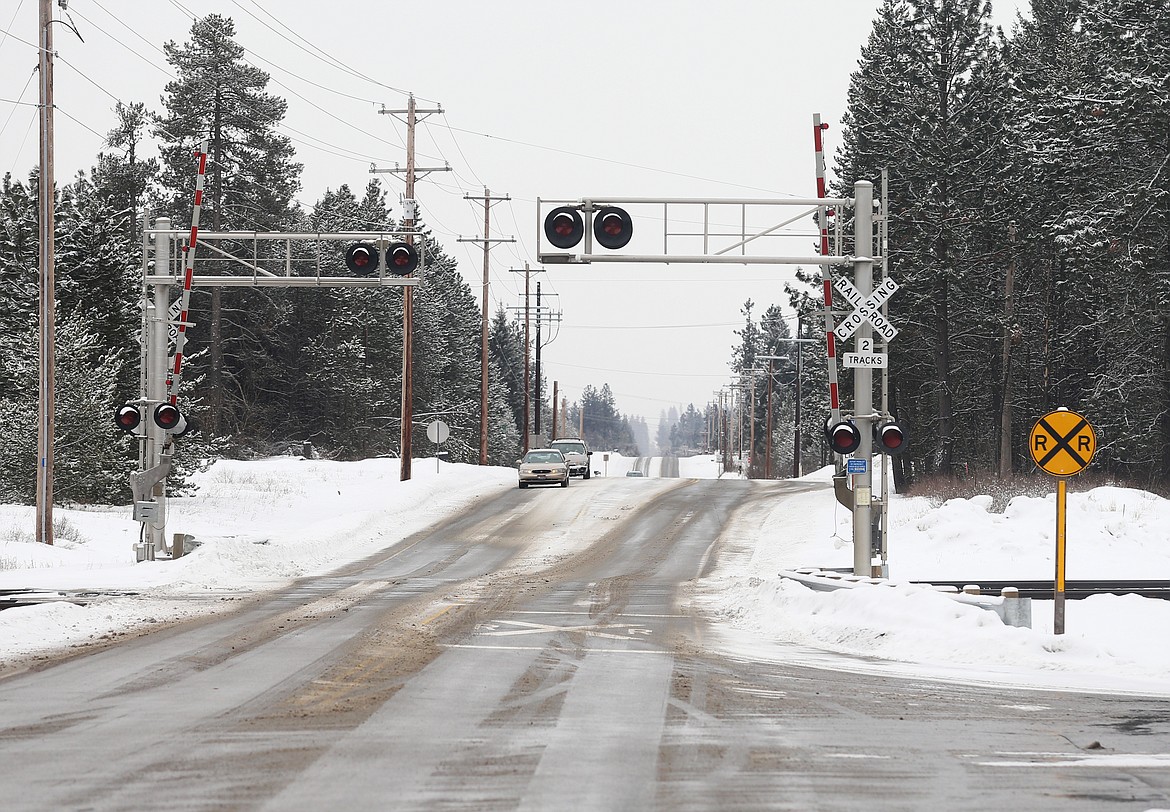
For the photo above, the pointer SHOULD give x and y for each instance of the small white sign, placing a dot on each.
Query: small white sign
(873, 360)
(438, 431)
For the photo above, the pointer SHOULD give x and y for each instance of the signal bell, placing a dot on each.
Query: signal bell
(843, 437)
(890, 438)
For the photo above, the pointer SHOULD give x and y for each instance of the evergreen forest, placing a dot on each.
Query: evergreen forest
(1028, 225)
(268, 369)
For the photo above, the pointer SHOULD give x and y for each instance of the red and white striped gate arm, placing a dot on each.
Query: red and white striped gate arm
(175, 375)
(826, 275)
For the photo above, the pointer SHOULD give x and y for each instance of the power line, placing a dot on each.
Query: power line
(645, 372)
(608, 160)
(315, 51)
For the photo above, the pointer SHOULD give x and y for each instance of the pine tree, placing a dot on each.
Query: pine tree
(122, 177)
(506, 350)
(19, 251)
(927, 103)
(250, 182)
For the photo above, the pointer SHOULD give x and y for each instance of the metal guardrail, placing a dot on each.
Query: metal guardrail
(1012, 608)
(1073, 590)
(11, 598)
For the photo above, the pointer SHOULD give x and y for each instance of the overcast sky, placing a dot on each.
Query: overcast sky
(648, 99)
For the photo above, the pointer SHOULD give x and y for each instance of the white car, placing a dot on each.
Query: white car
(543, 466)
(576, 453)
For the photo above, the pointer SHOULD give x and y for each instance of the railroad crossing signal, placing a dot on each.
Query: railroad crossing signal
(165, 415)
(890, 438)
(612, 227)
(1062, 443)
(843, 437)
(127, 418)
(866, 309)
(365, 258)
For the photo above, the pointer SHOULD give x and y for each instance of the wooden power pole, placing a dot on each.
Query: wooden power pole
(409, 216)
(48, 308)
(487, 241)
(527, 431)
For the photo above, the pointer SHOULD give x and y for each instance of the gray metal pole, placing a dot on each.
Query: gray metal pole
(156, 393)
(863, 382)
(154, 359)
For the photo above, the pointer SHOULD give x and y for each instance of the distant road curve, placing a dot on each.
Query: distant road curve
(667, 469)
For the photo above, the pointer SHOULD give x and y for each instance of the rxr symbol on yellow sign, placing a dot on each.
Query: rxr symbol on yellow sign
(1062, 443)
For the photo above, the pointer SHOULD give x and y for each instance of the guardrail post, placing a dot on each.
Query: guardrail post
(1017, 611)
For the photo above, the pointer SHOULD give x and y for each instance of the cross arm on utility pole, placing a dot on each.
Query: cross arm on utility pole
(420, 172)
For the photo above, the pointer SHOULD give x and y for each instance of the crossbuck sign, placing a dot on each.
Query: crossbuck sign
(868, 309)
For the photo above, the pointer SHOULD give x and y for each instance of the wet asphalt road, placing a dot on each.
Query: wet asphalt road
(447, 673)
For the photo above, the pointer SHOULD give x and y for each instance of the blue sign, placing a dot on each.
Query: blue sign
(855, 466)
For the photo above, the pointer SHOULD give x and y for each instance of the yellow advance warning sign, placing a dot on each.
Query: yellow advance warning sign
(1062, 443)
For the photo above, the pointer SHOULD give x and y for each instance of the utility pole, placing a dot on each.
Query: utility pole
(48, 307)
(768, 423)
(527, 271)
(409, 215)
(487, 240)
(536, 382)
(527, 350)
(553, 434)
(771, 359)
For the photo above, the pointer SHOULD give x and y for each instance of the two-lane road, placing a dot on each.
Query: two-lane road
(503, 661)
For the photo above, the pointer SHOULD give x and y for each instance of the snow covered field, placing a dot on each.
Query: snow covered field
(259, 524)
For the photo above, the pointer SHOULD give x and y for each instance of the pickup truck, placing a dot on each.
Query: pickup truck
(576, 453)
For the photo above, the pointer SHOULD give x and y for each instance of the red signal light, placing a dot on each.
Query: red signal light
(889, 438)
(613, 227)
(401, 259)
(563, 227)
(168, 418)
(127, 418)
(362, 259)
(844, 438)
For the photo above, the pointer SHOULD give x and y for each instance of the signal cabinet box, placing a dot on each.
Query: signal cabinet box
(146, 511)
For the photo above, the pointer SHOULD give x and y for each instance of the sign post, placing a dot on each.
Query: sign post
(437, 433)
(1062, 443)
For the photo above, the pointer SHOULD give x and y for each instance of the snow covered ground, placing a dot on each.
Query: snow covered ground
(259, 524)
